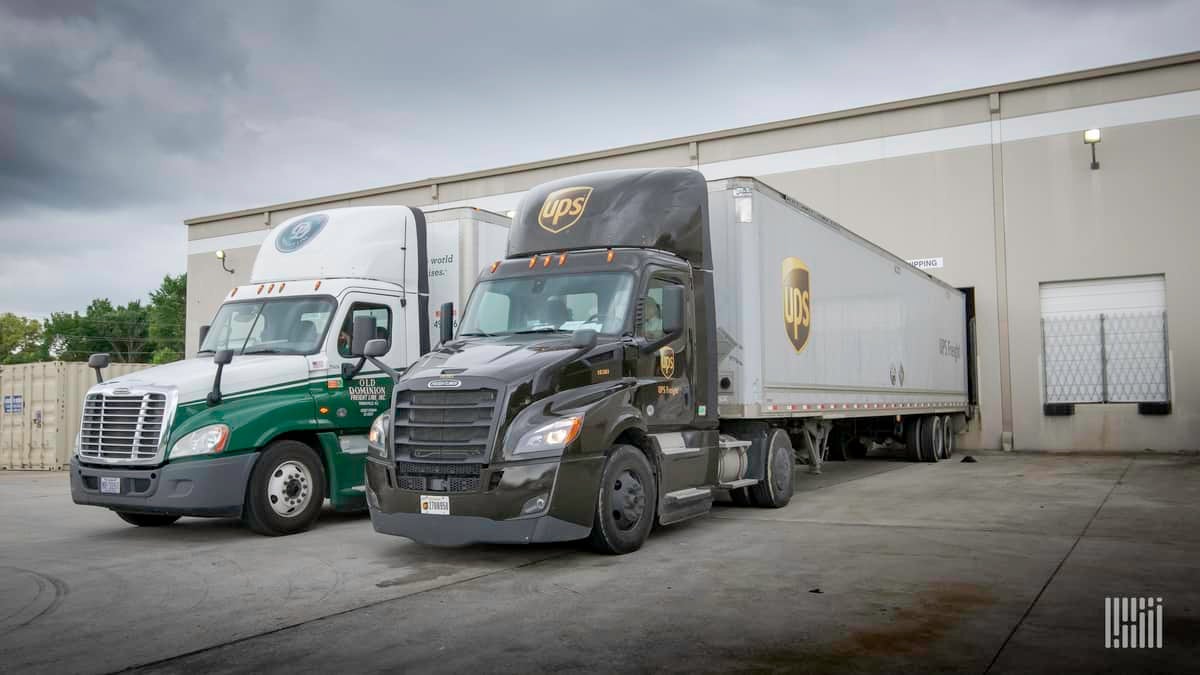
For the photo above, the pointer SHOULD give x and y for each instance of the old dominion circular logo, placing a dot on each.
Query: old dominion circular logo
(301, 232)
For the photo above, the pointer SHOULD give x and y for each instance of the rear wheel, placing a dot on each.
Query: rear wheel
(286, 491)
(931, 438)
(626, 503)
(146, 519)
(912, 438)
(776, 487)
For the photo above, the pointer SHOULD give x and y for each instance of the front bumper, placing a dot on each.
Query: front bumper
(210, 487)
(491, 515)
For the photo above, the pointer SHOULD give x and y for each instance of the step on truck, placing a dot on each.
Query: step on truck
(649, 341)
(270, 419)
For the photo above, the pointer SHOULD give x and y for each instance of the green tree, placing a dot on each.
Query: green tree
(121, 331)
(168, 306)
(20, 339)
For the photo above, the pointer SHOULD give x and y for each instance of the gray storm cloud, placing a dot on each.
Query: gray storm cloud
(119, 119)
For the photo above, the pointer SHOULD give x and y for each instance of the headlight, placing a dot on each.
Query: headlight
(377, 437)
(203, 441)
(553, 436)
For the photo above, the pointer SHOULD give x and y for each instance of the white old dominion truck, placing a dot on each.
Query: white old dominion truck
(271, 417)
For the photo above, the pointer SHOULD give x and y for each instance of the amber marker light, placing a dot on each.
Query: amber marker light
(495, 266)
(532, 262)
(233, 292)
(562, 258)
(611, 253)
(260, 287)
(546, 262)
(281, 286)
(317, 286)
(271, 289)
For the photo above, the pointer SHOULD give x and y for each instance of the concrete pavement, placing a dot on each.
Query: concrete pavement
(875, 566)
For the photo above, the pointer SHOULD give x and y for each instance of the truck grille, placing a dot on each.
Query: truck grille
(444, 424)
(124, 427)
(419, 476)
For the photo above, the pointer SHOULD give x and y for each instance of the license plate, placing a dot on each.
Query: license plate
(110, 485)
(435, 505)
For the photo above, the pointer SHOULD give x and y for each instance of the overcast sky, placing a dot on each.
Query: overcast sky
(120, 119)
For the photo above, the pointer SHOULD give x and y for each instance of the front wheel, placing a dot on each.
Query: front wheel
(146, 519)
(286, 491)
(626, 503)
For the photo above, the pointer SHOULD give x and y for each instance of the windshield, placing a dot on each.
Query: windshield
(276, 326)
(550, 303)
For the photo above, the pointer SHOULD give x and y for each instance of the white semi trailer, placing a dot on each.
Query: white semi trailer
(652, 339)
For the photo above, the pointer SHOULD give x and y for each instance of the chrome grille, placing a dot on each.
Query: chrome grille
(444, 424)
(121, 426)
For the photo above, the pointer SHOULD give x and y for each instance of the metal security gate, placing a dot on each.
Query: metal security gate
(1106, 358)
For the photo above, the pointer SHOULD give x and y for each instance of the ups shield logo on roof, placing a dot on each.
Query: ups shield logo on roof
(797, 304)
(563, 208)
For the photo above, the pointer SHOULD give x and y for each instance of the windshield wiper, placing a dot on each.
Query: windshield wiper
(477, 334)
(542, 329)
(267, 350)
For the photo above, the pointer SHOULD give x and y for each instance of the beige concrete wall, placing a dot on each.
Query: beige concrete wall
(936, 178)
(1136, 215)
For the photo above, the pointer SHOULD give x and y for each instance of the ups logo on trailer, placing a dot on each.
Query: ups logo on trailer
(563, 208)
(797, 303)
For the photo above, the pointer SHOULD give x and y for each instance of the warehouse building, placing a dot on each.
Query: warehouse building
(1064, 207)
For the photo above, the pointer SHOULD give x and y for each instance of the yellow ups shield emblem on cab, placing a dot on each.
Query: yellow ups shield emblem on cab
(563, 208)
(666, 361)
(797, 303)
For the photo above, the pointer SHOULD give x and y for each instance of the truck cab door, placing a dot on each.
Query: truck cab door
(352, 404)
(666, 395)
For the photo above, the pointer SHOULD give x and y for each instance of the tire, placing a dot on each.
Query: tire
(912, 438)
(146, 519)
(625, 503)
(931, 438)
(947, 437)
(775, 489)
(286, 490)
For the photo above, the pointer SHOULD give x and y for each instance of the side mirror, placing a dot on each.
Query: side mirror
(447, 322)
(375, 348)
(222, 359)
(583, 339)
(204, 333)
(364, 332)
(672, 310)
(98, 362)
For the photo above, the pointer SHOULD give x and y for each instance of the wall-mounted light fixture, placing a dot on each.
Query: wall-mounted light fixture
(1092, 137)
(221, 257)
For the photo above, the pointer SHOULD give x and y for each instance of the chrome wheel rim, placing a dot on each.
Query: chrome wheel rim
(290, 489)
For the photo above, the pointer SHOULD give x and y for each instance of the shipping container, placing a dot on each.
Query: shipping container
(41, 410)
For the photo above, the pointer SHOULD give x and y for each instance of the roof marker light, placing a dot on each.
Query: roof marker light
(281, 286)
(233, 292)
(317, 287)
(546, 262)
(532, 261)
(610, 255)
(562, 258)
(260, 287)
(271, 289)
(494, 266)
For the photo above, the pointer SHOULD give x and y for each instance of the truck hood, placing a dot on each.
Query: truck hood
(194, 377)
(510, 358)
